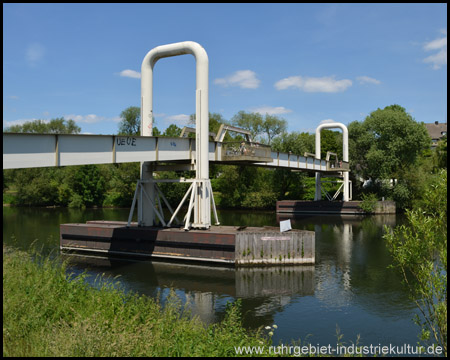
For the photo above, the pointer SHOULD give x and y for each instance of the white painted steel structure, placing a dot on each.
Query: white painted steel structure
(202, 192)
(333, 125)
(42, 150)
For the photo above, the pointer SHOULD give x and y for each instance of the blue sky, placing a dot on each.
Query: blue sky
(302, 62)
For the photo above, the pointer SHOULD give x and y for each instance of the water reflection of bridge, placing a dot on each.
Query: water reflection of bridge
(263, 290)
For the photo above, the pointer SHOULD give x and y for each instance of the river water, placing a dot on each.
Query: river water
(349, 290)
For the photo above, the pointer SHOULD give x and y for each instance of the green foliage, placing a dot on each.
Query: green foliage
(295, 142)
(215, 120)
(130, 123)
(38, 186)
(419, 250)
(440, 154)
(174, 192)
(76, 201)
(49, 313)
(256, 188)
(259, 125)
(386, 141)
(54, 126)
(389, 147)
(273, 126)
(330, 141)
(121, 184)
(172, 131)
(155, 131)
(249, 121)
(87, 183)
(369, 202)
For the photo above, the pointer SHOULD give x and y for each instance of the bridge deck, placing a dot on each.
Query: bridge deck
(44, 150)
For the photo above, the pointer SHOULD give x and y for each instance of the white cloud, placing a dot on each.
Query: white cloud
(130, 73)
(20, 122)
(327, 121)
(309, 84)
(13, 97)
(90, 119)
(245, 79)
(35, 52)
(271, 110)
(180, 119)
(367, 80)
(438, 59)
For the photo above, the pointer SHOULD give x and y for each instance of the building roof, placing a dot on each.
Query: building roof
(436, 130)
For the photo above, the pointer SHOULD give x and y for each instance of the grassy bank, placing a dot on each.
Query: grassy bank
(47, 314)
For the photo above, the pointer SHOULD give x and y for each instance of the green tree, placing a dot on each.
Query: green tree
(419, 250)
(215, 120)
(273, 126)
(385, 148)
(155, 131)
(172, 131)
(39, 186)
(330, 141)
(130, 123)
(386, 141)
(121, 184)
(54, 126)
(248, 121)
(440, 154)
(295, 142)
(88, 185)
(263, 128)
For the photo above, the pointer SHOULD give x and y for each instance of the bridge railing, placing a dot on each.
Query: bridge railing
(338, 166)
(245, 150)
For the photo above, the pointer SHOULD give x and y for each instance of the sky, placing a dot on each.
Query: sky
(305, 63)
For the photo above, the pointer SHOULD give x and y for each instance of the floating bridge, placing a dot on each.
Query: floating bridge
(200, 240)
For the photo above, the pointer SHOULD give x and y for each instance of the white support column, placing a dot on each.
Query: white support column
(148, 214)
(333, 125)
(318, 193)
(202, 214)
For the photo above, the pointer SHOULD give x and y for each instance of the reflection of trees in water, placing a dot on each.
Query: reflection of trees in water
(263, 291)
(352, 263)
(351, 266)
(247, 218)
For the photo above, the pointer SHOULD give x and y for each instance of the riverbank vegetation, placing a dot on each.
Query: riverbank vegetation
(390, 158)
(49, 313)
(44, 314)
(419, 250)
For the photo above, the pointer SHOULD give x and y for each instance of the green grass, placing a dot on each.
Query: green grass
(47, 314)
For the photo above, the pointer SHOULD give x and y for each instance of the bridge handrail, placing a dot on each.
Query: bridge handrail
(27, 150)
(238, 149)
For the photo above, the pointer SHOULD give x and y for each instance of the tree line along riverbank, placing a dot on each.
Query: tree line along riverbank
(390, 157)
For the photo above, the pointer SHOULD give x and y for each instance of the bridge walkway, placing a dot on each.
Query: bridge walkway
(47, 150)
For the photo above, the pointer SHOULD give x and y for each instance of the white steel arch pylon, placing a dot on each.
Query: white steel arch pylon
(202, 193)
(333, 125)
